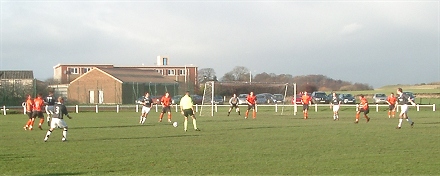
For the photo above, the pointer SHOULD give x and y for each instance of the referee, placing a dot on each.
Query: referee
(186, 108)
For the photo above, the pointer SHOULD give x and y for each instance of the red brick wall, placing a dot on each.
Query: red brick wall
(96, 80)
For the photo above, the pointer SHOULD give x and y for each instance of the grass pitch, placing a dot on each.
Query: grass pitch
(111, 143)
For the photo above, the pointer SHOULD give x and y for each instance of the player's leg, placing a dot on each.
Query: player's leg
(230, 109)
(247, 111)
(366, 114)
(358, 115)
(191, 113)
(237, 109)
(41, 117)
(161, 114)
(185, 121)
(53, 125)
(401, 116)
(408, 119)
(169, 115)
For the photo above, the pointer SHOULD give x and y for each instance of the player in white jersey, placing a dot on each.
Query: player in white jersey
(147, 103)
(403, 100)
(58, 119)
(233, 103)
(50, 103)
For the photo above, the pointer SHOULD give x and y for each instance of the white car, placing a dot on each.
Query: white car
(380, 98)
(242, 98)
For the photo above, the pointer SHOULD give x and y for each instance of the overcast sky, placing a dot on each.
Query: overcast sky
(374, 42)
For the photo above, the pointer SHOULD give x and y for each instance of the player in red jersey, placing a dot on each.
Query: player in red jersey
(251, 100)
(391, 100)
(38, 111)
(305, 100)
(29, 107)
(363, 107)
(166, 106)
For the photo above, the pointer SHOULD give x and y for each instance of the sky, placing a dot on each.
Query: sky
(374, 42)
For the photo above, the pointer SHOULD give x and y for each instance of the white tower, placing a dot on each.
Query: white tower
(162, 60)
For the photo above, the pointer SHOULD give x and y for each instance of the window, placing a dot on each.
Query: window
(85, 70)
(72, 70)
(171, 72)
(182, 72)
(165, 61)
(17, 81)
(160, 71)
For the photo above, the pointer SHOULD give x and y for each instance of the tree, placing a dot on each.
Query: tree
(206, 74)
(239, 73)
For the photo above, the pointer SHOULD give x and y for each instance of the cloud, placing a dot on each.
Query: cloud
(351, 28)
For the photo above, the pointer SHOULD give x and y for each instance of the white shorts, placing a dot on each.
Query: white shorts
(403, 109)
(145, 110)
(49, 110)
(335, 108)
(58, 123)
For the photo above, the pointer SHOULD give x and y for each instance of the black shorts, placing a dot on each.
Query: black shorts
(38, 114)
(166, 109)
(234, 106)
(391, 107)
(366, 111)
(251, 107)
(305, 107)
(29, 114)
(188, 112)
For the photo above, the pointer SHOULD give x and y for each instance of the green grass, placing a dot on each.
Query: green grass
(112, 143)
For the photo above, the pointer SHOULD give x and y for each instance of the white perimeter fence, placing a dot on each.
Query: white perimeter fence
(207, 108)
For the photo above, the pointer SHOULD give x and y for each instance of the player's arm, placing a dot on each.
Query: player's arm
(64, 111)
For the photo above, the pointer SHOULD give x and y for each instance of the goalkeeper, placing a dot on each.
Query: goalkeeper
(233, 102)
(186, 108)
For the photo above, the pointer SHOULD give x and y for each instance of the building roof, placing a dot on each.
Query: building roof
(128, 75)
(16, 74)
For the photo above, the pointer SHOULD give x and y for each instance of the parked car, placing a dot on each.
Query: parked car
(156, 99)
(139, 100)
(242, 98)
(197, 99)
(380, 98)
(219, 100)
(175, 99)
(279, 98)
(319, 97)
(261, 99)
(269, 98)
(347, 98)
(411, 96)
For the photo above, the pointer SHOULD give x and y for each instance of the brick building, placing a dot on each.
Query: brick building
(118, 85)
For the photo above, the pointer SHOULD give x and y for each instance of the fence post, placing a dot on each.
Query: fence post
(197, 108)
(76, 109)
(397, 108)
(24, 107)
(4, 110)
(216, 108)
(295, 109)
(117, 108)
(433, 107)
(96, 108)
(276, 107)
(137, 108)
(156, 107)
(418, 107)
(256, 108)
(357, 107)
(316, 107)
(377, 107)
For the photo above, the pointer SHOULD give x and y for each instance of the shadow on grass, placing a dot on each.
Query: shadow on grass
(430, 123)
(111, 126)
(130, 138)
(75, 173)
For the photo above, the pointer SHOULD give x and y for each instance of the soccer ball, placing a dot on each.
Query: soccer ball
(175, 124)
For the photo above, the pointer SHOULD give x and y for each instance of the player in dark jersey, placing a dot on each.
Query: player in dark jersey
(50, 102)
(334, 104)
(403, 100)
(147, 103)
(58, 119)
(233, 103)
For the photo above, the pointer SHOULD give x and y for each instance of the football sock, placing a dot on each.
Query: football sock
(65, 133)
(247, 113)
(140, 119)
(160, 117)
(254, 114)
(400, 122)
(143, 120)
(408, 120)
(41, 121)
(47, 134)
(169, 117)
(195, 123)
(185, 124)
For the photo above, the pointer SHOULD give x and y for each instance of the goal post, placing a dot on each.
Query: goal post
(208, 97)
